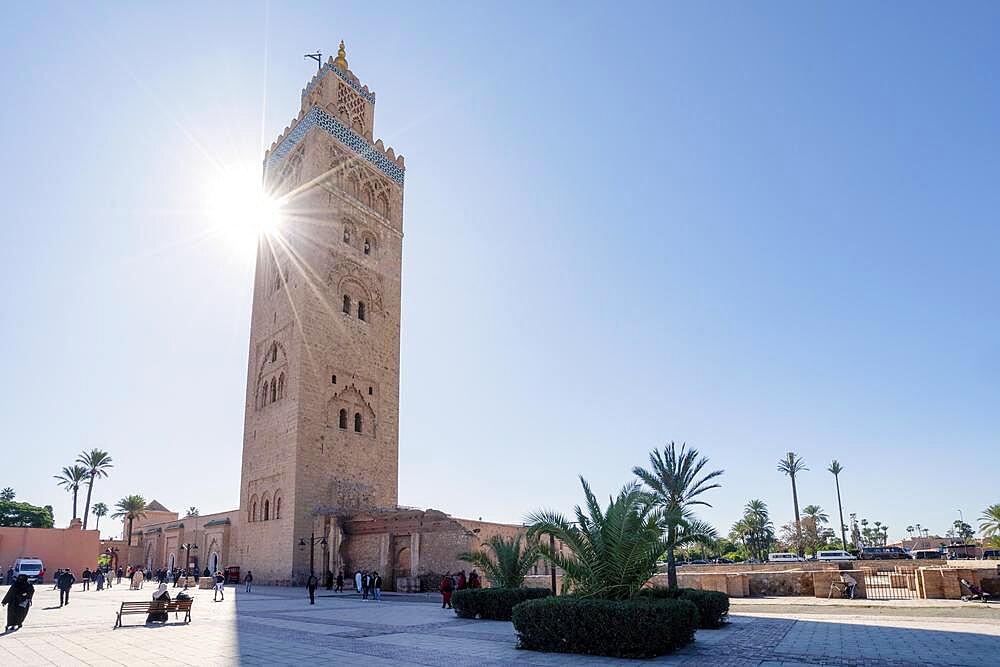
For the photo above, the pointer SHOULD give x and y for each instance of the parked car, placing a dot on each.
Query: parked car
(883, 553)
(33, 567)
(928, 554)
(991, 554)
(784, 557)
(833, 555)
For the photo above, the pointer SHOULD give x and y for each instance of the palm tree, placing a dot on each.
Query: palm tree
(130, 508)
(7, 494)
(674, 484)
(835, 468)
(815, 512)
(612, 553)
(792, 465)
(755, 529)
(509, 564)
(98, 510)
(97, 463)
(989, 521)
(71, 479)
(193, 511)
(909, 531)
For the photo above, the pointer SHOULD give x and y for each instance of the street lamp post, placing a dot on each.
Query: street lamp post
(552, 567)
(189, 547)
(313, 541)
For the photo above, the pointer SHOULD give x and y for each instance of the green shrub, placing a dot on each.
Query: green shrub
(493, 603)
(713, 607)
(639, 628)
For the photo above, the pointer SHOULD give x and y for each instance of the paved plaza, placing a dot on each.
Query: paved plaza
(277, 626)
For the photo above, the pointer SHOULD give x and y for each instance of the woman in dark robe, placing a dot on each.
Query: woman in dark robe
(18, 601)
(161, 595)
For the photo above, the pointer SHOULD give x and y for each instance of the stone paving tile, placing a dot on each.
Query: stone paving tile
(279, 627)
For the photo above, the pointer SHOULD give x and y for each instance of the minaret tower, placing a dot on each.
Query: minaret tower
(322, 403)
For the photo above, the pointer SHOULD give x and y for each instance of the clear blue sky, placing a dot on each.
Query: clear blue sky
(751, 228)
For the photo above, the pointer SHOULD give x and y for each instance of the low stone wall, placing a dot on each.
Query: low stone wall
(778, 584)
(735, 585)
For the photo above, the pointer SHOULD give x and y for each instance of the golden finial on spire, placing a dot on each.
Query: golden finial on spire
(341, 59)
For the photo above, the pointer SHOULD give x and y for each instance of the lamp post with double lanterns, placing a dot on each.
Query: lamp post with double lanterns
(313, 541)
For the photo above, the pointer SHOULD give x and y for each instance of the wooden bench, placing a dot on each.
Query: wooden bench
(155, 606)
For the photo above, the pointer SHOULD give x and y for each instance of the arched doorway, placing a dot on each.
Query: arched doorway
(402, 564)
(213, 562)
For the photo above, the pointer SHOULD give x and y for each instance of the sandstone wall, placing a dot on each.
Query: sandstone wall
(56, 547)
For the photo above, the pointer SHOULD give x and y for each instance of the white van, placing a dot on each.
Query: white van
(781, 557)
(33, 567)
(833, 555)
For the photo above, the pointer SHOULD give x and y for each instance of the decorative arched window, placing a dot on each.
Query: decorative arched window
(253, 508)
(333, 379)
(368, 246)
(343, 418)
(281, 386)
(267, 510)
(361, 310)
(357, 422)
(369, 391)
(274, 390)
(382, 205)
(347, 304)
(277, 508)
(274, 352)
(347, 235)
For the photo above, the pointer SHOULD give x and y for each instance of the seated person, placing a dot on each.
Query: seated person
(850, 584)
(161, 595)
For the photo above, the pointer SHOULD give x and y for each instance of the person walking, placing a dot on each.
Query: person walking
(65, 584)
(19, 597)
(474, 581)
(220, 585)
(446, 587)
(462, 584)
(248, 580)
(377, 586)
(86, 578)
(118, 575)
(100, 579)
(340, 581)
(55, 579)
(311, 584)
(137, 578)
(328, 577)
(357, 581)
(366, 584)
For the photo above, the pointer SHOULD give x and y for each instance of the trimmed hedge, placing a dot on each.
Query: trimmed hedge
(493, 603)
(643, 627)
(713, 606)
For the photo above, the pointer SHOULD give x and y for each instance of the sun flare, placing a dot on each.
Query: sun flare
(241, 210)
